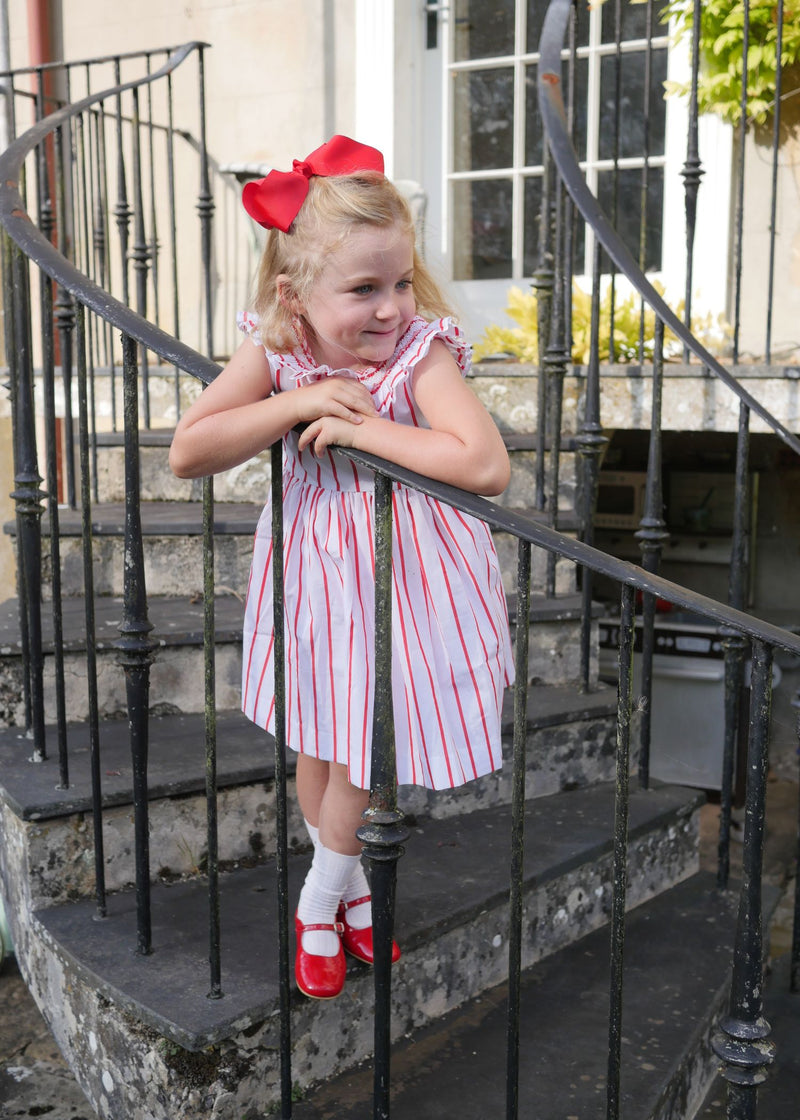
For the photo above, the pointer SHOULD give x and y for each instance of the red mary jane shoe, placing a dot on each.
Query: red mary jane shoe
(358, 942)
(318, 977)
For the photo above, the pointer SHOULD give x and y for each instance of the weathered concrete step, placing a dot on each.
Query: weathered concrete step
(250, 481)
(177, 675)
(172, 544)
(678, 952)
(451, 924)
(570, 744)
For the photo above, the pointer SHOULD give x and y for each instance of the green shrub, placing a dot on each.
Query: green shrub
(522, 342)
(722, 54)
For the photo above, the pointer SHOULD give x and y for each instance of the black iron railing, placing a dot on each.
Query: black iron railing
(79, 314)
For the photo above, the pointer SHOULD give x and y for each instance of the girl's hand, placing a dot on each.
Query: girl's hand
(334, 396)
(326, 430)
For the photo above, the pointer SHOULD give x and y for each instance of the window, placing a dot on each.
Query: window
(495, 143)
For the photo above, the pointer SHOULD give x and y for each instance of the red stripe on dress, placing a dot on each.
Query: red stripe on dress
(446, 543)
(433, 696)
(264, 579)
(365, 740)
(454, 612)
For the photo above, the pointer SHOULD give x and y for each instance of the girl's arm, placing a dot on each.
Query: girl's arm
(238, 415)
(462, 446)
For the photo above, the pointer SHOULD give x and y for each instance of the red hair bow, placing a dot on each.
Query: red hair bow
(275, 201)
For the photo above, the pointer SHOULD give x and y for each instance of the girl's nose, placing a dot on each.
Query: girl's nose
(387, 307)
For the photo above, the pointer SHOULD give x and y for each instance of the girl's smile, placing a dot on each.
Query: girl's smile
(363, 300)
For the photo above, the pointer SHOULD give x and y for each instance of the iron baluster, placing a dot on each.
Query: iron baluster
(794, 967)
(51, 471)
(209, 672)
(615, 168)
(542, 284)
(591, 444)
(619, 891)
(733, 643)
(555, 361)
(590, 449)
(154, 243)
(135, 646)
(742, 1042)
(281, 807)
(173, 235)
(692, 170)
(517, 861)
(776, 139)
(205, 208)
(739, 221)
(383, 832)
(9, 328)
(122, 211)
(140, 250)
(89, 604)
(651, 536)
(51, 456)
(28, 497)
(65, 310)
(648, 74)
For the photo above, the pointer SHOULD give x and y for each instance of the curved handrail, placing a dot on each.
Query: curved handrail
(551, 106)
(17, 222)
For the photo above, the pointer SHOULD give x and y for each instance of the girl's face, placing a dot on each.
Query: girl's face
(363, 300)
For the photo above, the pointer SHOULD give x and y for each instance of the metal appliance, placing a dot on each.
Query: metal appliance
(687, 726)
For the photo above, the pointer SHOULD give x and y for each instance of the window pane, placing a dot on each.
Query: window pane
(634, 21)
(483, 106)
(580, 106)
(536, 13)
(482, 229)
(629, 208)
(533, 123)
(631, 115)
(533, 223)
(483, 29)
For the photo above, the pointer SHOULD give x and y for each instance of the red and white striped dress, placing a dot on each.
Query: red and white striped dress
(451, 651)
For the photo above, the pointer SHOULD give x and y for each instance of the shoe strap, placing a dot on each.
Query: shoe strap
(356, 902)
(333, 927)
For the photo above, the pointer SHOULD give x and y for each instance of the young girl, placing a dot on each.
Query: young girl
(350, 337)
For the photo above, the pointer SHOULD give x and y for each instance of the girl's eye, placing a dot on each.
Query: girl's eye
(404, 285)
(363, 289)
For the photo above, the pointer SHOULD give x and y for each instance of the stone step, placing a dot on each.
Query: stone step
(570, 745)
(172, 538)
(139, 1015)
(250, 481)
(678, 953)
(177, 629)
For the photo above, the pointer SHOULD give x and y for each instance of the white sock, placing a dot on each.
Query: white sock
(327, 878)
(359, 917)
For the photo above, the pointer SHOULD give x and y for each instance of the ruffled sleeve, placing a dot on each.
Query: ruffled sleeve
(249, 324)
(417, 341)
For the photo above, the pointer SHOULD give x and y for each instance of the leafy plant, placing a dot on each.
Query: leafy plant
(522, 341)
(722, 54)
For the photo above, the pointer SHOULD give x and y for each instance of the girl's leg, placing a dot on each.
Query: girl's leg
(312, 781)
(336, 856)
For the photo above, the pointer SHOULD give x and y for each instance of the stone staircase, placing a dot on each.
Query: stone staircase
(140, 1033)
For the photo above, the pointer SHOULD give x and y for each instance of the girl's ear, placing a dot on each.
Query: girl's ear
(287, 296)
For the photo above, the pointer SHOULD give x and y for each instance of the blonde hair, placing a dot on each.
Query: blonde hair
(333, 207)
